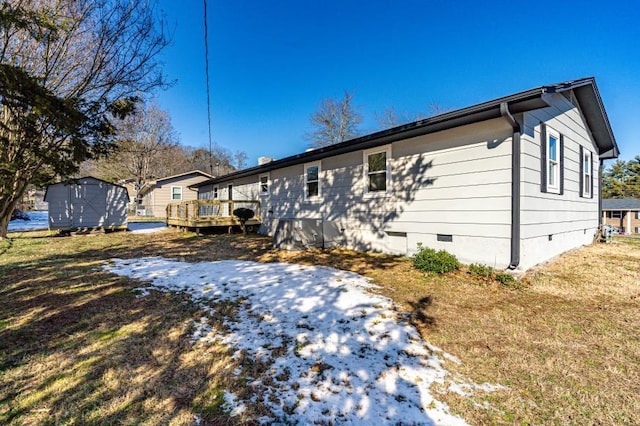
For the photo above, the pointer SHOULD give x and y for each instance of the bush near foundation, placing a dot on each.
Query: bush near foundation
(430, 260)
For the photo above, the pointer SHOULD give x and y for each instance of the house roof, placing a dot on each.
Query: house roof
(585, 91)
(192, 172)
(147, 186)
(620, 204)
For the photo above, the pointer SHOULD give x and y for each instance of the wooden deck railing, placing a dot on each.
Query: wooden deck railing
(209, 212)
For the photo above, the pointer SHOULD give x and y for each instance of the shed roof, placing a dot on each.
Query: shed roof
(76, 181)
(586, 94)
(620, 204)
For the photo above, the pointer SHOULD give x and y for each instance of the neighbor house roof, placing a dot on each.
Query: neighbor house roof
(192, 172)
(620, 204)
(585, 90)
(147, 186)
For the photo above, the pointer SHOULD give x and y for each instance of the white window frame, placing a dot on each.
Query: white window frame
(267, 188)
(555, 172)
(307, 166)
(365, 166)
(586, 173)
(176, 199)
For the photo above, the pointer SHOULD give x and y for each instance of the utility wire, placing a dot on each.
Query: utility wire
(206, 66)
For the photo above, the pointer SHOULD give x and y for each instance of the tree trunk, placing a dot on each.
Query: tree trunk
(8, 204)
(5, 216)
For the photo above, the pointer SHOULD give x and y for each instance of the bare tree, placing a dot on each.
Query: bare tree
(335, 121)
(391, 117)
(143, 138)
(67, 67)
(240, 158)
(217, 162)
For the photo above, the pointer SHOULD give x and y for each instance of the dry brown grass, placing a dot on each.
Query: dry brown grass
(77, 346)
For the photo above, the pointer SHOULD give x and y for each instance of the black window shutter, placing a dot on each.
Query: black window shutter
(581, 171)
(561, 164)
(543, 157)
(591, 175)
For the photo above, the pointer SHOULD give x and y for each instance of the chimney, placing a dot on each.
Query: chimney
(264, 160)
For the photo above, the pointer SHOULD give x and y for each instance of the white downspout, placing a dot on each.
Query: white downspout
(628, 228)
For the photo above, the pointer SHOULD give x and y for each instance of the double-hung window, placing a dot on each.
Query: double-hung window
(215, 192)
(264, 184)
(586, 173)
(377, 176)
(553, 162)
(312, 181)
(176, 193)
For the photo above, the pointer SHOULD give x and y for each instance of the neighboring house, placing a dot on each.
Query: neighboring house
(130, 186)
(155, 195)
(508, 183)
(623, 213)
(87, 203)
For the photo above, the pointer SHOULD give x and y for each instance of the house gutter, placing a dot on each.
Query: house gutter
(515, 185)
(600, 171)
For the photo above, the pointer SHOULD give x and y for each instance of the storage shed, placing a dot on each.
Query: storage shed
(87, 203)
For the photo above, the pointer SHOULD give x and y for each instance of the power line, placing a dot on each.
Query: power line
(206, 66)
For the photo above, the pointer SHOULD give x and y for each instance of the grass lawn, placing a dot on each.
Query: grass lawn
(78, 346)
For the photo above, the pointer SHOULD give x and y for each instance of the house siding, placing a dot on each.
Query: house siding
(553, 223)
(156, 200)
(454, 182)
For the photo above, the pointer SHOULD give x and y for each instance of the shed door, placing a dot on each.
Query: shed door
(88, 205)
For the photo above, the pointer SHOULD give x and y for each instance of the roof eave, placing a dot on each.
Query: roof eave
(590, 101)
(585, 90)
(524, 101)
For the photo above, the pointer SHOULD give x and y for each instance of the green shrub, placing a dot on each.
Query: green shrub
(481, 271)
(439, 262)
(506, 280)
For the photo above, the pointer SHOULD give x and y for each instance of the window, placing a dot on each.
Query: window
(586, 173)
(553, 162)
(376, 166)
(311, 181)
(264, 184)
(616, 214)
(215, 192)
(176, 193)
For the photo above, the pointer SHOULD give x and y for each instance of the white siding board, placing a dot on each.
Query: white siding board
(470, 204)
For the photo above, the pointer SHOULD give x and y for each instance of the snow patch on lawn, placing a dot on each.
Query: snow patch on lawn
(348, 356)
(146, 227)
(37, 220)
(232, 405)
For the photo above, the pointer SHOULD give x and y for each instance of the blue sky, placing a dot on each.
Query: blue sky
(272, 62)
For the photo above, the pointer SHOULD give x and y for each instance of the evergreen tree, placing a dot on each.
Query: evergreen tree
(622, 179)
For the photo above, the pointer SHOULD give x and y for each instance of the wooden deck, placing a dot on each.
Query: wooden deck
(200, 214)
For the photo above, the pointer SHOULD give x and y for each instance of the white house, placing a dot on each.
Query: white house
(509, 183)
(87, 203)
